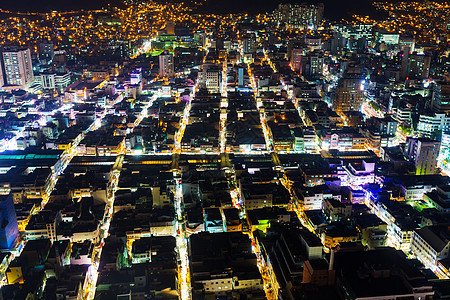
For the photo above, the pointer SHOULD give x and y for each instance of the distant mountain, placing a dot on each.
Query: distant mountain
(334, 9)
(50, 5)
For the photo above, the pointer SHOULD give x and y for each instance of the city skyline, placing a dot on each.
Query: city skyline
(170, 150)
(332, 11)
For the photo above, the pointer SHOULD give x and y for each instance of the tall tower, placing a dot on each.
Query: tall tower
(46, 52)
(313, 63)
(166, 65)
(441, 97)
(296, 60)
(18, 67)
(415, 66)
(240, 76)
(349, 93)
(2, 80)
(423, 152)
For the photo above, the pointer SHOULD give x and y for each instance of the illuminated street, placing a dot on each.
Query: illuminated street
(200, 150)
(90, 282)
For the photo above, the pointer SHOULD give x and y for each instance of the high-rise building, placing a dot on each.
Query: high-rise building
(444, 152)
(241, 76)
(50, 81)
(407, 43)
(349, 93)
(296, 60)
(313, 63)
(432, 123)
(415, 66)
(211, 78)
(9, 230)
(305, 16)
(296, 43)
(356, 36)
(2, 80)
(402, 114)
(387, 125)
(354, 31)
(18, 68)
(441, 97)
(338, 43)
(46, 52)
(136, 77)
(313, 42)
(166, 65)
(249, 43)
(423, 152)
(389, 38)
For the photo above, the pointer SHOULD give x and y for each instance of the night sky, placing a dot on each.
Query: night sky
(334, 9)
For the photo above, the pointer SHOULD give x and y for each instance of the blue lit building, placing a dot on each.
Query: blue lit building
(9, 229)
